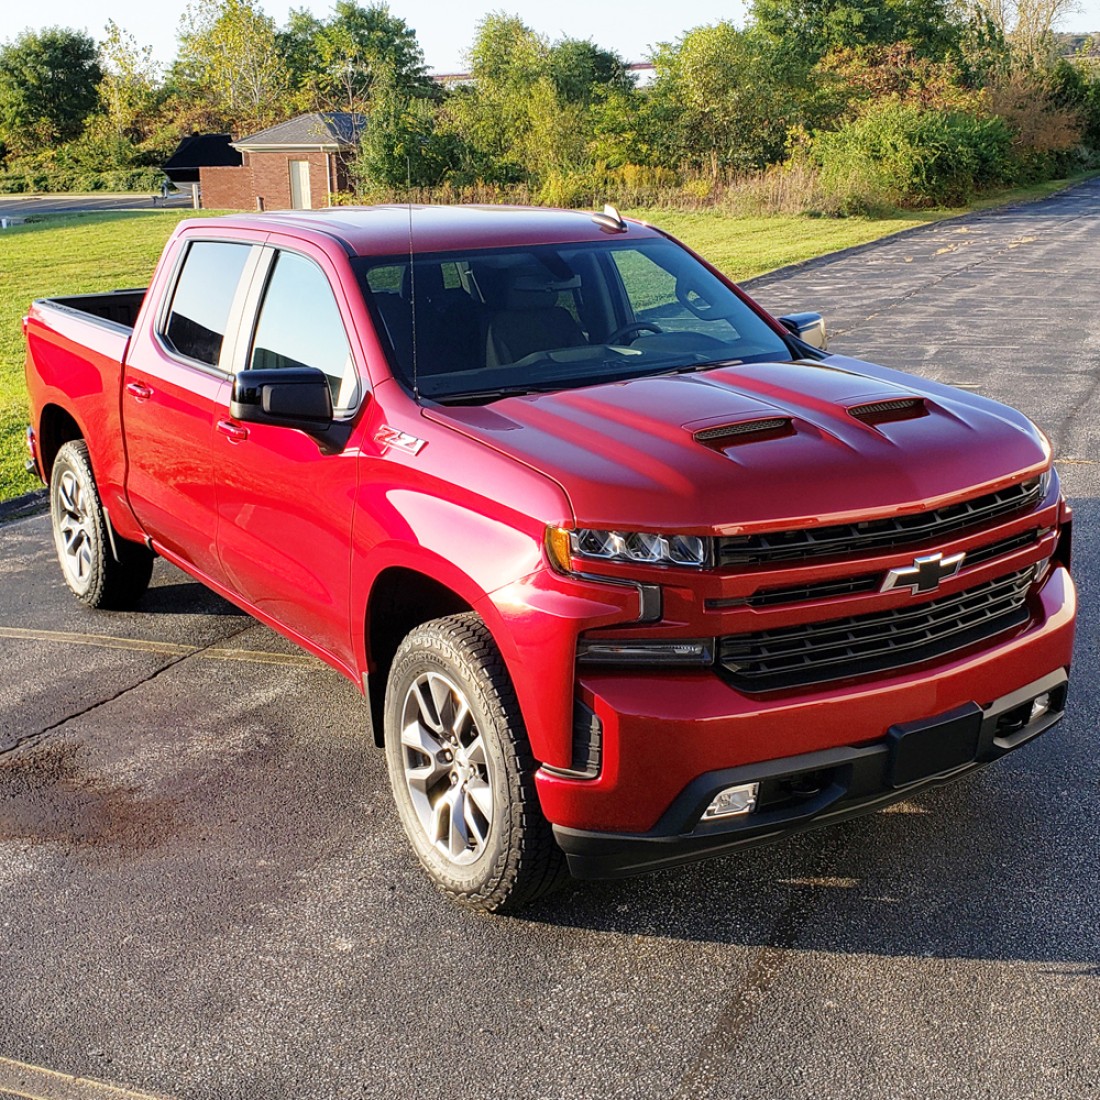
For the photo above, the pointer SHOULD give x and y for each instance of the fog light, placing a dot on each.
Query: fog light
(733, 801)
(1040, 706)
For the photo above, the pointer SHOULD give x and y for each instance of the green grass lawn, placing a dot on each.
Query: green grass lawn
(73, 254)
(67, 254)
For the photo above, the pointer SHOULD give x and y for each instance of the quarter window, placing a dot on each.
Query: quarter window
(203, 299)
(300, 326)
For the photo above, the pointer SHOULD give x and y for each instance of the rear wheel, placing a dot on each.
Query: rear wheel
(461, 768)
(80, 533)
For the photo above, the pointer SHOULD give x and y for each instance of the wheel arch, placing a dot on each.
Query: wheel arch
(401, 598)
(56, 427)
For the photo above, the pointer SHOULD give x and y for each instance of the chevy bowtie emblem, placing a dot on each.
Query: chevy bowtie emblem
(925, 574)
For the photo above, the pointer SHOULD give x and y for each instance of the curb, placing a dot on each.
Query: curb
(29, 504)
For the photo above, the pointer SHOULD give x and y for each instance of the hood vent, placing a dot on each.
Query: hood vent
(744, 432)
(881, 412)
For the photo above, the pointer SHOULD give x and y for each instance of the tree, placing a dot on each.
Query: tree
(581, 71)
(129, 90)
(336, 64)
(229, 57)
(812, 28)
(492, 116)
(1028, 25)
(402, 144)
(720, 101)
(48, 83)
(539, 113)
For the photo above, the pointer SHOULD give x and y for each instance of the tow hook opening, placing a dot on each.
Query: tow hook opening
(1034, 710)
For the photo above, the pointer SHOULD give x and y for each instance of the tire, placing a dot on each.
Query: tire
(80, 533)
(461, 769)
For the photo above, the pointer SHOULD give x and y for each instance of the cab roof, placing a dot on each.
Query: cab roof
(386, 230)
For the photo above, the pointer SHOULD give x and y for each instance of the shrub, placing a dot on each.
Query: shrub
(1047, 116)
(45, 181)
(911, 157)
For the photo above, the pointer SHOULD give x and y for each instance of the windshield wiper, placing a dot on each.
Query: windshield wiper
(478, 396)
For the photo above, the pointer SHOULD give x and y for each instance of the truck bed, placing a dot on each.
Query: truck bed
(119, 307)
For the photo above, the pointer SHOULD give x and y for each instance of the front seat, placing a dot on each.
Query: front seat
(530, 320)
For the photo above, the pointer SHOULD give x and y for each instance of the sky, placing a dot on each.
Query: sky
(445, 28)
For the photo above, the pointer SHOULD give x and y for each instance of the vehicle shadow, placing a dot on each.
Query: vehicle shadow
(185, 597)
(985, 870)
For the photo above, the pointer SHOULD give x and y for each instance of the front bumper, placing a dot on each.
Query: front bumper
(805, 791)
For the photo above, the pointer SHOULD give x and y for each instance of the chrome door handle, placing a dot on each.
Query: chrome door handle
(235, 433)
(139, 390)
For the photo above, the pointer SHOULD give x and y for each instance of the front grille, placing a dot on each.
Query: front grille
(870, 536)
(839, 648)
(866, 582)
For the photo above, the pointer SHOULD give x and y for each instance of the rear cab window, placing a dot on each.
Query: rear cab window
(203, 298)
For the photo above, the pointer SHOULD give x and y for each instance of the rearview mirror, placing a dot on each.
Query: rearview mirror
(297, 397)
(808, 327)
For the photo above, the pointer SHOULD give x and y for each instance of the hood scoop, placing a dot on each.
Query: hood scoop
(883, 412)
(744, 431)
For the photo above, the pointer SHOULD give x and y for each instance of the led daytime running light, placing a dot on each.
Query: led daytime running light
(638, 547)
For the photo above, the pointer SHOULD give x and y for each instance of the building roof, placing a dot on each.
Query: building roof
(330, 131)
(200, 151)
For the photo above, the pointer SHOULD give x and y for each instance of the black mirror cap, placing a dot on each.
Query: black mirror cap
(297, 397)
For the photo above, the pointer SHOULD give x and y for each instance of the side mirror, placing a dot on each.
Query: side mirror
(808, 327)
(297, 397)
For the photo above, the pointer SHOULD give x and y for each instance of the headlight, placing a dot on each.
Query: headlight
(1045, 478)
(637, 547)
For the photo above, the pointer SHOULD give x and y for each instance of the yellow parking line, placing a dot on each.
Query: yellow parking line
(261, 657)
(35, 1083)
(105, 641)
(164, 649)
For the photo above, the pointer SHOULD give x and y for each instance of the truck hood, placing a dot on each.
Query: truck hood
(801, 443)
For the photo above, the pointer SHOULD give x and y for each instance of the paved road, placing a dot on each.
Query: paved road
(23, 206)
(203, 891)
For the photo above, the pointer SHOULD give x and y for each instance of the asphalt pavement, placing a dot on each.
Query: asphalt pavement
(205, 893)
(20, 207)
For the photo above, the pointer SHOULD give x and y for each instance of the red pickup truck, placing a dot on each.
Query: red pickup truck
(630, 572)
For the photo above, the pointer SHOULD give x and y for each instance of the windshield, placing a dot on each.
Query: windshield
(475, 326)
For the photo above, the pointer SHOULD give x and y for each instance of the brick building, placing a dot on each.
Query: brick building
(296, 165)
(200, 151)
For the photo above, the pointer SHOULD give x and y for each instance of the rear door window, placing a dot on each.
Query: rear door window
(203, 299)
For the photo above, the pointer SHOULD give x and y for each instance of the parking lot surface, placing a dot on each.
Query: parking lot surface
(204, 891)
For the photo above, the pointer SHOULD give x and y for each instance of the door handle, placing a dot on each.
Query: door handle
(235, 433)
(139, 390)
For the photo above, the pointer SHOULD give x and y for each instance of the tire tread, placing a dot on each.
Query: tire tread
(530, 863)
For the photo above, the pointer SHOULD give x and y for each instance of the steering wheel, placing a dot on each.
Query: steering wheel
(619, 336)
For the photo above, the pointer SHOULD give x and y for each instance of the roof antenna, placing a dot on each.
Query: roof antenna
(412, 275)
(610, 219)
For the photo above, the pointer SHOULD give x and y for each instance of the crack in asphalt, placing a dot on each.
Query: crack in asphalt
(198, 651)
(733, 1022)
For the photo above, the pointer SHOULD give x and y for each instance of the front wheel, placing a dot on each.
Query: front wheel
(92, 572)
(461, 768)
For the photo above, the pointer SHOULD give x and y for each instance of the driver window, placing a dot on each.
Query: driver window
(300, 326)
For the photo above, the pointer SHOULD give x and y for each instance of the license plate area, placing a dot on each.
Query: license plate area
(933, 746)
